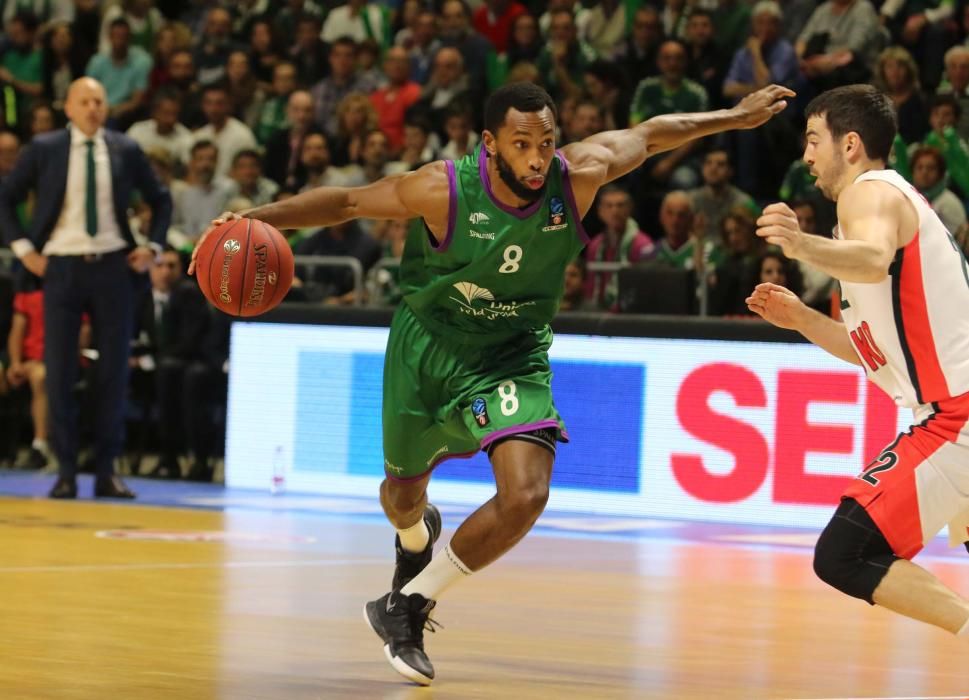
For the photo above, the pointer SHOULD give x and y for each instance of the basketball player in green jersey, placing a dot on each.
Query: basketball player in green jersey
(467, 359)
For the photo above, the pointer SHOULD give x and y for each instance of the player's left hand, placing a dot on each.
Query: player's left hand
(758, 107)
(778, 224)
(141, 258)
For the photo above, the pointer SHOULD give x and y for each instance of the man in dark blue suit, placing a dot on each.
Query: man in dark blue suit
(80, 243)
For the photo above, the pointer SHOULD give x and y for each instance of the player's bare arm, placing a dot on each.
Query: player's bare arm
(422, 193)
(609, 155)
(875, 220)
(781, 307)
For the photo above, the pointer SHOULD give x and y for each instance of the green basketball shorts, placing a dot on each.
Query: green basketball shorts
(443, 399)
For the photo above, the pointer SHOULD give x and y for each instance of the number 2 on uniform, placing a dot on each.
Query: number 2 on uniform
(885, 461)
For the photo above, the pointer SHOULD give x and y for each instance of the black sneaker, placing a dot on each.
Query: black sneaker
(409, 564)
(400, 620)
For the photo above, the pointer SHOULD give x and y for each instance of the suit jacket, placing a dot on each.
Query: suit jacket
(186, 323)
(42, 167)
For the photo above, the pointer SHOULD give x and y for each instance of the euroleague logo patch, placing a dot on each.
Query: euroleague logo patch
(556, 215)
(479, 409)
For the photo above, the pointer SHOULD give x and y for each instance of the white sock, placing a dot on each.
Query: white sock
(964, 632)
(444, 570)
(39, 445)
(416, 537)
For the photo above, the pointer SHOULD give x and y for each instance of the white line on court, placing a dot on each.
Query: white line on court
(67, 568)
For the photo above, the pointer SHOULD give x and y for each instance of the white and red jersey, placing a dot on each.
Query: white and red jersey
(911, 330)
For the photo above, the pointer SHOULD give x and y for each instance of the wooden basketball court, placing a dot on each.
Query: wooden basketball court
(141, 602)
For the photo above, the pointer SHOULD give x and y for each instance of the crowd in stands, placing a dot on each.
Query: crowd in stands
(246, 102)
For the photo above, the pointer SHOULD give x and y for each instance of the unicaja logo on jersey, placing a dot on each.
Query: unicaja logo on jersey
(478, 217)
(492, 310)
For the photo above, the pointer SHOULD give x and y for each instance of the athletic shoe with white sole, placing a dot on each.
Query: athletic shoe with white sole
(400, 620)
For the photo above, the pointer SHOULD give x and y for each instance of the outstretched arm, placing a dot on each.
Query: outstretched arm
(611, 154)
(423, 193)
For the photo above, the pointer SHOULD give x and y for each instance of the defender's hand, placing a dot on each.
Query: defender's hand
(758, 107)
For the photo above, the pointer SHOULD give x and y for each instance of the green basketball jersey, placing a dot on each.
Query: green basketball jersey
(499, 271)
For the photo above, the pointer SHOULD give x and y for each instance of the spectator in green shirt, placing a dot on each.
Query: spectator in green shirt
(563, 61)
(272, 115)
(670, 93)
(21, 66)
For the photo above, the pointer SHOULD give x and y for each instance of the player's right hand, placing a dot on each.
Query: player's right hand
(223, 217)
(777, 305)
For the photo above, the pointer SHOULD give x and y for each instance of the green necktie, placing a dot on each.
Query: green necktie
(91, 196)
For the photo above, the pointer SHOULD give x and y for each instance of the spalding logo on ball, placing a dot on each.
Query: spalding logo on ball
(245, 267)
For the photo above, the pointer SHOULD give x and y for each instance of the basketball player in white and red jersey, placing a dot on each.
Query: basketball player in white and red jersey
(905, 291)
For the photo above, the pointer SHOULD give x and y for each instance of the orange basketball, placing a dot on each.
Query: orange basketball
(244, 267)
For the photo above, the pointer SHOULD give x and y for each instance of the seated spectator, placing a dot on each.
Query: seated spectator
(356, 118)
(607, 25)
(244, 94)
(448, 85)
(461, 139)
(944, 113)
(286, 19)
(423, 46)
(838, 44)
(636, 55)
(683, 245)
(42, 119)
(273, 110)
(818, 285)
(707, 62)
(315, 165)
(282, 160)
(214, 46)
(201, 198)
(228, 133)
(376, 156)
(181, 80)
(956, 83)
(43, 10)
(897, 76)
(669, 93)
(246, 181)
(124, 73)
(606, 85)
(142, 16)
(718, 195)
(309, 54)
(25, 349)
(579, 13)
(524, 45)
(392, 235)
(929, 178)
(587, 119)
(773, 268)
(574, 298)
(342, 80)
(732, 20)
(265, 52)
(357, 19)
(393, 100)
(170, 325)
(163, 129)
(417, 150)
(922, 27)
(767, 57)
(675, 14)
(21, 65)
(735, 272)
(563, 60)
(368, 58)
(456, 31)
(493, 20)
(62, 63)
(621, 240)
(171, 37)
(332, 284)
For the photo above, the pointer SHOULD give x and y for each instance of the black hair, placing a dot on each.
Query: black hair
(946, 99)
(27, 19)
(525, 97)
(246, 153)
(860, 108)
(119, 22)
(203, 143)
(344, 41)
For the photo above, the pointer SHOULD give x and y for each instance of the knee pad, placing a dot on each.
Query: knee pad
(852, 555)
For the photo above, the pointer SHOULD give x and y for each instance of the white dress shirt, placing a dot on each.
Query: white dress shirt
(70, 236)
(234, 137)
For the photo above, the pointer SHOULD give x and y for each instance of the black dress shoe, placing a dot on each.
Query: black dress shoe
(111, 487)
(64, 487)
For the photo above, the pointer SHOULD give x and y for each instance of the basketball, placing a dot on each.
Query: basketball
(244, 267)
